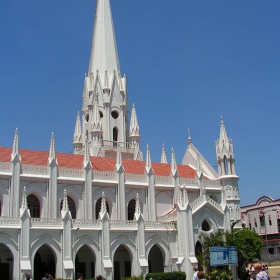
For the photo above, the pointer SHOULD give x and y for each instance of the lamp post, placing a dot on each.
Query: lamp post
(266, 242)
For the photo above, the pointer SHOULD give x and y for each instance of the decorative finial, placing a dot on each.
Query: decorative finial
(189, 138)
(163, 155)
(24, 200)
(137, 205)
(65, 202)
(103, 208)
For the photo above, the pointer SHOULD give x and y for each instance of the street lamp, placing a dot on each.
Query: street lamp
(266, 242)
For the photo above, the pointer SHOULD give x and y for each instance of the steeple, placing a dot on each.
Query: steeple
(224, 152)
(163, 155)
(105, 101)
(104, 53)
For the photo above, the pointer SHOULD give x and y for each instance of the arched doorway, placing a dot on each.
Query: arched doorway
(33, 206)
(155, 260)
(131, 209)
(198, 254)
(44, 261)
(6, 262)
(115, 136)
(122, 263)
(85, 262)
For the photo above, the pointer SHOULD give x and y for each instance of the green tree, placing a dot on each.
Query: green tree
(248, 243)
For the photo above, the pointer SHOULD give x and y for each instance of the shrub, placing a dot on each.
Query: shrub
(133, 278)
(176, 275)
(219, 274)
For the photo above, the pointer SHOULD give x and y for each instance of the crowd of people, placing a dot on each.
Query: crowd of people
(258, 271)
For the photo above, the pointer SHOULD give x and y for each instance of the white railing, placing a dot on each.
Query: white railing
(135, 177)
(104, 175)
(212, 183)
(163, 179)
(71, 172)
(45, 222)
(159, 225)
(9, 221)
(123, 146)
(188, 181)
(86, 223)
(34, 169)
(167, 217)
(122, 224)
(214, 203)
(200, 200)
(205, 162)
(5, 166)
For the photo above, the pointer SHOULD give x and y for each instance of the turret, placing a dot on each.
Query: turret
(227, 176)
(224, 153)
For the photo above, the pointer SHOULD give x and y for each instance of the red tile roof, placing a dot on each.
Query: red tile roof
(98, 163)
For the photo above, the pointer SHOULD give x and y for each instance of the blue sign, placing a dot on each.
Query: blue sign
(223, 256)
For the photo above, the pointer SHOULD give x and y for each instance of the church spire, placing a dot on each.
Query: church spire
(104, 54)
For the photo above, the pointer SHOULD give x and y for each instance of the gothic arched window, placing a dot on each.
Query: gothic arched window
(226, 165)
(71, 206)
(115, 136)
(205, 226)
(98, 207)
(131, 209)
(33, 206)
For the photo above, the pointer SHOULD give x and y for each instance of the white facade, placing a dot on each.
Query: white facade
(264, 218)
(103, 210)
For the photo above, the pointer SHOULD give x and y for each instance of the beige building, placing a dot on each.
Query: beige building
(264, 218)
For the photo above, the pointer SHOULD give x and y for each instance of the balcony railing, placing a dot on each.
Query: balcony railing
(123, 146)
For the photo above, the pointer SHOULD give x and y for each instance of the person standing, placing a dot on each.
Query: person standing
(260, 273)
(27, 276)
(200, 275)
(195, 273)
(47, 277)
(80, 276)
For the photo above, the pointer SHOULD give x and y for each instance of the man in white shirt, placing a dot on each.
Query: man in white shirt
(195, 273)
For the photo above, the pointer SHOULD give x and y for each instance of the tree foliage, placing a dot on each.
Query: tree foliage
(248, 243)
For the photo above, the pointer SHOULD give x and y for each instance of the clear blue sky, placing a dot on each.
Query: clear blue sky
(187, 63)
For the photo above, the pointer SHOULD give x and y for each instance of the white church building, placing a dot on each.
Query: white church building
(105, 209)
